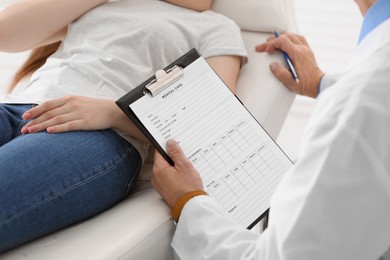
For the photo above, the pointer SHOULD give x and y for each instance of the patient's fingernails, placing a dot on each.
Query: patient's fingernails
(32, 129)
(26, 116)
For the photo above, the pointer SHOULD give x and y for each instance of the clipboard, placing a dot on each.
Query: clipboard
(162, 78)
(240, 164)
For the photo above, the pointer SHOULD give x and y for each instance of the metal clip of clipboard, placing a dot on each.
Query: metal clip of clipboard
(163, 79)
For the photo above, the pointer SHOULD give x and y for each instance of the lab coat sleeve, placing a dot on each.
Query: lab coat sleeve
(328, 81)
(204, 229)
(317, 212)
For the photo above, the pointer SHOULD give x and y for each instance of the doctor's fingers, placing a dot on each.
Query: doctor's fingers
(280, 43)
(187, 174)
(177, 155)
(166, 180)
(294, 38)
(284, 75)
(309, 78)
(159, 163)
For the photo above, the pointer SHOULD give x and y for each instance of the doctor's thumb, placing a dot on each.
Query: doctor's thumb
(282, 74)
(175, 152)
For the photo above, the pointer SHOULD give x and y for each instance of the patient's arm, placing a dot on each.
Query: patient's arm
(31, 23)
(71, 113)
(227, 68)
(197, 5)
(57, 37)
(83, 113)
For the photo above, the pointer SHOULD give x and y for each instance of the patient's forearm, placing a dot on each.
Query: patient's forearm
(26, 24)
(122, 123)
(197, 5)
(227, 68)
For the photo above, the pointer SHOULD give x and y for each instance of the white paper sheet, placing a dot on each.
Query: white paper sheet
(239, 163)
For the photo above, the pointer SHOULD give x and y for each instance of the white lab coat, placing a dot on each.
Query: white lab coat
(335, 202)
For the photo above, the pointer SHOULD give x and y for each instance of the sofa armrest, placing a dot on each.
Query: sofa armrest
(267, 99)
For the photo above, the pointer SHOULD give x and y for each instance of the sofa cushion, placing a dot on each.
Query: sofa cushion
(260, 15)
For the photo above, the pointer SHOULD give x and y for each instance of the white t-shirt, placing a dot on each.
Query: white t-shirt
(116, 46)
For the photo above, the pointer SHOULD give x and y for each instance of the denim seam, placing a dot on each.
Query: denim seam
(130, 184)
(23, 123)
(77, 185)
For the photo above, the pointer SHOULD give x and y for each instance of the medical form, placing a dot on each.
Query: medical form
(238, 161)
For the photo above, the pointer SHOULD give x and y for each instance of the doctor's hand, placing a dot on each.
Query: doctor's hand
(303, 59)
(172, 182)
(70, 113)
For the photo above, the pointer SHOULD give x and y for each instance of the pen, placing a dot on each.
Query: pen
(289, 63)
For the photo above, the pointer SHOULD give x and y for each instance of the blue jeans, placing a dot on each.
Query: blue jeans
(50, 181)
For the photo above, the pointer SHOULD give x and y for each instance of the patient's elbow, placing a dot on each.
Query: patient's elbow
(203, 5)
(198, 5)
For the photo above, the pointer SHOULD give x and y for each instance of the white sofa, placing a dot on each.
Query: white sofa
(140, 227)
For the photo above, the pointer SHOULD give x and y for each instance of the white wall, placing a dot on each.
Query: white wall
(331, 28)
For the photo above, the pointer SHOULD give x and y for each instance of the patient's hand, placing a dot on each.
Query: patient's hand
(303, 59)
(70, 113)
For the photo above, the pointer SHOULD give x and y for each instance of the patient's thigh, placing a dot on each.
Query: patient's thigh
(48, 181)
(11, 121)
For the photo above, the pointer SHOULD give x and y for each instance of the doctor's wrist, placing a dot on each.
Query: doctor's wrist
(181, 202)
